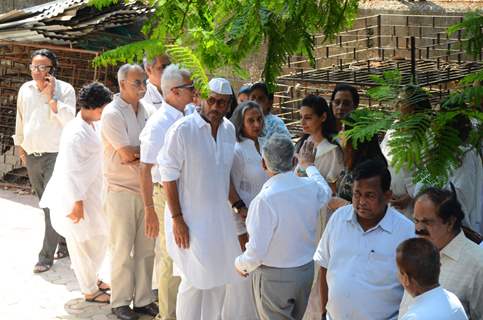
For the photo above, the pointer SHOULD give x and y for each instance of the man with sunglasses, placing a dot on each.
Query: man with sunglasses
(154, 68)
(132, 252)
(178, 91)
(44, 105)
(201, 239)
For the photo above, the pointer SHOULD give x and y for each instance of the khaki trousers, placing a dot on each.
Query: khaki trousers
(132, 253)
(168, 284)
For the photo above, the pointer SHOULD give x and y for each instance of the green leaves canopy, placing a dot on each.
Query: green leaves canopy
(222, 33)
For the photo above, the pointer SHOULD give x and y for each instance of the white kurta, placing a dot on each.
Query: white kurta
(77, 176)
(201, 166)
(247, 175)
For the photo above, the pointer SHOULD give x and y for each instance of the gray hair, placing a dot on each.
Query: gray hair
(238, 117)
(150, 62)
(173, 76)
(278, 153)
(124, 70)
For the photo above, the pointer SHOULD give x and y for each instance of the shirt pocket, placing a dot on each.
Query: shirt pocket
(380, 269)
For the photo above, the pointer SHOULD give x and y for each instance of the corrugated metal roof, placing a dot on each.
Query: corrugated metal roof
(65, 21)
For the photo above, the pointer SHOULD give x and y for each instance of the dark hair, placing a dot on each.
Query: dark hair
(48, 54)
(419, 259)
(319, 107)
(373, 168)
(264, 88)
(346, 87)
(238, 116)
(244, 89)
(94, 95)
(446, 203)
(416, 97)
(460, 122)
(232, 104)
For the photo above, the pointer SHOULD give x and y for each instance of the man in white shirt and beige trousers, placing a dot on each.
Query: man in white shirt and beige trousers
(281, 226)
(178, 90)
(132, 252)
(44, 106)
(200, 230)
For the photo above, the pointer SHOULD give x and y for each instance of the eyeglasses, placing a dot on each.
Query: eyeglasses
(40, 68)
(137, 83)
(221, 102)
(188, 86)
(164, 65)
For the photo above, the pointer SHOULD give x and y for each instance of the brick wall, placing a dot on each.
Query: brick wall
(7, 5)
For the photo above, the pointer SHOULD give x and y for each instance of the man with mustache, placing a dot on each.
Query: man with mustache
(201, 238)
(357, 252)
(438, 217)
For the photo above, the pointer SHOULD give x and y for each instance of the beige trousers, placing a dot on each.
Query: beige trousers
(167, 283)
(132, 252)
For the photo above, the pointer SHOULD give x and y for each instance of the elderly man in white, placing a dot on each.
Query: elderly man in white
(178, 92)
(282, 233)
(357, 252)
(419, 267)
(201, 238)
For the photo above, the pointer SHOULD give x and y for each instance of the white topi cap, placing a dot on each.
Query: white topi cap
(220, 86)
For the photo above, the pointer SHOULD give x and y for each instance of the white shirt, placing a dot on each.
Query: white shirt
(437, 303)
(153, 134)
(361, 265)
(201, 166)
(37, 128)
(152, 99)
(77, 176)
(462, 274)
(282, 221)
(247, 175)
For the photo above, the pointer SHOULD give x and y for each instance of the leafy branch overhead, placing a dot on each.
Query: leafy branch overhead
(223, 33)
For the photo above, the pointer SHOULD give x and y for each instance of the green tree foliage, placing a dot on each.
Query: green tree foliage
(426, 141)
(222, 33)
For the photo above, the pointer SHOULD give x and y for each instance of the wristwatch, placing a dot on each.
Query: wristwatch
(238, 205)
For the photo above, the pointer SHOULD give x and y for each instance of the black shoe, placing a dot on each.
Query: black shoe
(151, 309)
(125, 313)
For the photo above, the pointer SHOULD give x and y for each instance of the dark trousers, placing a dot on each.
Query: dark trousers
(40, 170)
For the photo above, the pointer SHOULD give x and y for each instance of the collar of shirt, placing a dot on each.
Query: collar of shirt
(155, 96)
(122, 103)
(278, 179)
(428, 294)
(454, 248)
(386, 223)
(169, 109)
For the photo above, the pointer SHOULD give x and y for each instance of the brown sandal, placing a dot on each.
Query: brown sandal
(95, 297)
(99, 286)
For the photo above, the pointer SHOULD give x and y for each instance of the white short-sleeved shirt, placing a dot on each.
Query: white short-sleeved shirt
(247, 175)
(153, 134)
(282, 221)
(361, 265)
(152, 100)
(437, 303)
(201, 166)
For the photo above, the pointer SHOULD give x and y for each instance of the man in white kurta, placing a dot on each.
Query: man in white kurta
(178, 90)
(200, 231)
(73, 194)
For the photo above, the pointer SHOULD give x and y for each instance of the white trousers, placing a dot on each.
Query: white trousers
(88, 258)
(240, 302)
(197, 304)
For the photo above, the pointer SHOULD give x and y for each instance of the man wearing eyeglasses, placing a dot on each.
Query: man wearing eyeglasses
(154, 68)
(44, 105)
(201, 239)
(132, 252)
(178, 91)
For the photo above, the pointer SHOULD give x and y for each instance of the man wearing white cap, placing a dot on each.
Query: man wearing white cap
(201, 238)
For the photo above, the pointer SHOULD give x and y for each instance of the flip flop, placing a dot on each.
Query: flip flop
(42, 267)
(99, 293)
(100, 283)
(61, 254)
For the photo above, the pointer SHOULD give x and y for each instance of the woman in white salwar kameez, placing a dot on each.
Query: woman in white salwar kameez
(247, 177)
(319, 126)
(74, 192)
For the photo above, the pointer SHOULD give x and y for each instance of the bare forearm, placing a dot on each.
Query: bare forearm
(324, 289)
(171, 189)
(129, 154)
(146, 184)
(233, 195)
